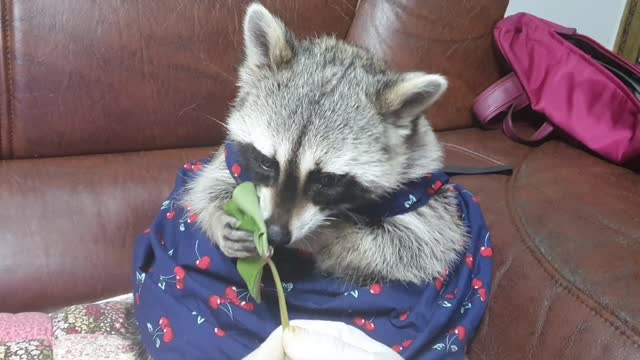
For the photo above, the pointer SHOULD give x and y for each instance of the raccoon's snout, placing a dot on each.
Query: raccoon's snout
(278, 235)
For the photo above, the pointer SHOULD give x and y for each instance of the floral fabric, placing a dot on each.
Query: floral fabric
(82, 332)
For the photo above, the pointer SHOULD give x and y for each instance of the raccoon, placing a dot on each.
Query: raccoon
(324, 128)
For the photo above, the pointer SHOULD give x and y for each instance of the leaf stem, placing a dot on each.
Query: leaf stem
(282, 304)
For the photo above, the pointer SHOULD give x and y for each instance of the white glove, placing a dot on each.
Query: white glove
(316, 340)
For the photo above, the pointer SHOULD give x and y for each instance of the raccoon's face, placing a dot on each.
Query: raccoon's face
(323, 128)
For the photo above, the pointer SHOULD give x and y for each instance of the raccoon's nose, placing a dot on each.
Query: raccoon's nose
(278, 235)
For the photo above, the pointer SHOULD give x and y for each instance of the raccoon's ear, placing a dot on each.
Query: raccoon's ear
(406, 97)
(267, 41)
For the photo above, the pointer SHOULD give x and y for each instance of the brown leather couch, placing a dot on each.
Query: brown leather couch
(103, 100)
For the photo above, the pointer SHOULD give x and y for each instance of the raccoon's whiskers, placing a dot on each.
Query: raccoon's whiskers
(224, 125)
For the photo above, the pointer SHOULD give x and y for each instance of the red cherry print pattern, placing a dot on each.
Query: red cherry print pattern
(193, 167)
(367, 325)
(435, 187)
(192, 218)
(164, 322)
(359, 321)
(180, 272)
(476, 283)
(171, 214)
(474, 199)
(486, 250)
(405, 344)
(404, 316)
(231, 293)
(246, 306)
(219, 332)
(469, 260)
(203, 263)
(164, 329)
(483, 294)
(439, 284)
(168, 335)
(198, 166)
(147, 231)
(180, 284)
(375, 289)
(236, 170)
(215, 301)
(452, 296)
(178, 277)
(235, 295)
(231, 297)
(461, 332)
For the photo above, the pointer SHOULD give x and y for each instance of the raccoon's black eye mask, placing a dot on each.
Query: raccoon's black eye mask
(335, 192)
(256, 166)
(342, 192)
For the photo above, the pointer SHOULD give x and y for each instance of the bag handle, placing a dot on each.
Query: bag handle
(463, 170)
(542, 133)
(507, 95)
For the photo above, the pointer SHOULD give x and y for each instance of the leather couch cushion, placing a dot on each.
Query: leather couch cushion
(106, 76)
(584, 216)
(449, 37)
(565, 229)
(68, 224)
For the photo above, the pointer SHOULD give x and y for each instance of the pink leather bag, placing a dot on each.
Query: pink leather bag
(585, 90)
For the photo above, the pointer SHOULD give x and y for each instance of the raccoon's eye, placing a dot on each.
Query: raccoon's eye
(327, 181)
(268, 164)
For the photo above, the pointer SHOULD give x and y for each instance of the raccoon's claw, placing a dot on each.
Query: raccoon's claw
(229, 222)
(236, 243)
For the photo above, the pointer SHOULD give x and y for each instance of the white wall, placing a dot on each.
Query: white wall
(598, 19)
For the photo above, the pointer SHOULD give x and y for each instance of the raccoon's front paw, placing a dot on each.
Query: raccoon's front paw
(236, 243)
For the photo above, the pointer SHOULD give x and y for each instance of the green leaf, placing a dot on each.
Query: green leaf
(251, 272)
(245, 207)
(245, 222)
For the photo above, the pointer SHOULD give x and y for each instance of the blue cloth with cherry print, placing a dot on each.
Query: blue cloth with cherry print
(191, 302)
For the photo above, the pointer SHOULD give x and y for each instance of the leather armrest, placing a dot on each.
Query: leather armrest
(67, 225)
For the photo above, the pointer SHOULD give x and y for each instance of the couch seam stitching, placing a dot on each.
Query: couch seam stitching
(472, 153)
(2, 29)
(353, 19)
(9, 74)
